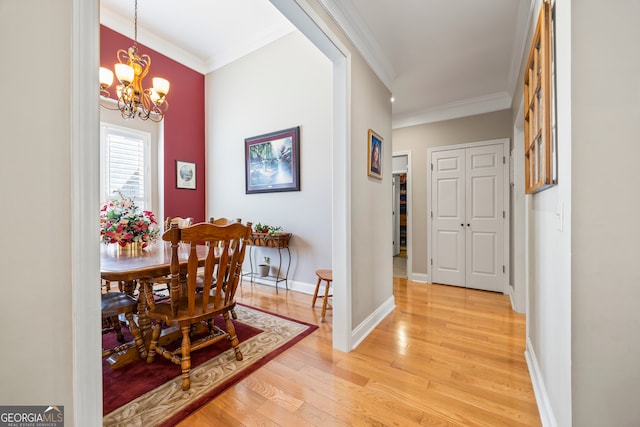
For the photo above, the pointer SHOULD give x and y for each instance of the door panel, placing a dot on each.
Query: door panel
(484, 208)
(484, 249)
(447, 187)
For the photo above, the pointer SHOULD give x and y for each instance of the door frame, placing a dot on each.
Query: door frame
(505, 188)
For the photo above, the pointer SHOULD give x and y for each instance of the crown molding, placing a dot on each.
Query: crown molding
(468, 107)
(153, 41)
(520, 51)
(349, 21)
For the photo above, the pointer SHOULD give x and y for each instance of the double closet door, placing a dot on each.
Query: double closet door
(468, 217)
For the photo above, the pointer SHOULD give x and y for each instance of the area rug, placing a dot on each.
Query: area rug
(160, 401)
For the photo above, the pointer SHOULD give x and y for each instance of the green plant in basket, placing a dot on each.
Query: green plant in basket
(267, 229)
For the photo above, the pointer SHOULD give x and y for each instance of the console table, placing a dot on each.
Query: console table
(278, 241)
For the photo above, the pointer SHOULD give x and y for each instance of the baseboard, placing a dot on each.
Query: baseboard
(419, 277)
(302, 287)
(510, 294)
(542, 397)
(369, 324)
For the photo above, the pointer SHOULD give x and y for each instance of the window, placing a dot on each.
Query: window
(539, 172)
(125, 164)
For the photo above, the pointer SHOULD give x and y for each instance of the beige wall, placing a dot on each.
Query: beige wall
(283, 85)
(35, 189)
(605, 290)
(417, 139)
(371, 224)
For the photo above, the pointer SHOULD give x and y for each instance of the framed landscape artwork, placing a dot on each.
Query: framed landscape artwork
(272, 162)
(185, 175)
(374, 155)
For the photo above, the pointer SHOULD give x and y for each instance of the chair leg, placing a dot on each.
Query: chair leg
(137, 336)
(155, 336)
(324, 303)
(185, 361)
(115, 321)
(231, 330)
(315, 294)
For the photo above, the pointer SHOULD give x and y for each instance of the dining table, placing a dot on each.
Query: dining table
(132, 269)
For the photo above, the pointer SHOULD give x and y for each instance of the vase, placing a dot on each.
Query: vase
(263, 270)
(129, 248)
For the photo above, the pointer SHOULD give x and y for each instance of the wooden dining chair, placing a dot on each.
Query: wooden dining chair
(161, 284)
(221, 221)
(226, 250)
(181, 222)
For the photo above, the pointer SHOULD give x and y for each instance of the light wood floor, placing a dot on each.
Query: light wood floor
(445, 356)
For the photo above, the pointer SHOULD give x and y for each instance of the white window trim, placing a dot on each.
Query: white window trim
(109, 128)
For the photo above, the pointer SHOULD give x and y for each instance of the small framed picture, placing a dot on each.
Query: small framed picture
(185, 175)
(374, 155)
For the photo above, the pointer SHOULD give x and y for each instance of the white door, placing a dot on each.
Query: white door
(484, 212)
(448, 223)
(467, 200)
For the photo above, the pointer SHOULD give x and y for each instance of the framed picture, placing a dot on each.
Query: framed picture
(272, 162)
(374, 155)
(185, 175)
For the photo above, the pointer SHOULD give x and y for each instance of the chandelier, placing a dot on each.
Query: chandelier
(133, 98)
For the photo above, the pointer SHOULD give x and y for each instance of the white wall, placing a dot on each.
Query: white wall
(283, 85)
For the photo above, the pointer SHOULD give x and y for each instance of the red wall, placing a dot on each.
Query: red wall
(184, 137)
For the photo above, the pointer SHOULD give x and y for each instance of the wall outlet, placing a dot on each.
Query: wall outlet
(267, 260)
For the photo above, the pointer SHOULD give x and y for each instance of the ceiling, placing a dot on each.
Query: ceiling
(441, 59)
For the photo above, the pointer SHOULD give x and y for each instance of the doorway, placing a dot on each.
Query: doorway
(400, 215)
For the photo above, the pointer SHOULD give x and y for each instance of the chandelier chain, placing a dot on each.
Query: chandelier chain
(135, 24)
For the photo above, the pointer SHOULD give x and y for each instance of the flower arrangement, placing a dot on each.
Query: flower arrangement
(122, 222)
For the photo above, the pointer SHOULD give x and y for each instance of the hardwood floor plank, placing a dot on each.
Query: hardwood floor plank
(445, 356)
(520, 411)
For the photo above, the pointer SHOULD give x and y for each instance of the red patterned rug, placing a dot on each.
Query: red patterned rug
(151, 395)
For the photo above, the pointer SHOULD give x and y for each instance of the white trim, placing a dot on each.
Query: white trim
(294, 285)
(373, 320)
(469, 107)
(506, 204)
(520, 44)
(542, 397)
(85, 260)
(358, 33)
(420, 277)
(311, 25)
(150, 160)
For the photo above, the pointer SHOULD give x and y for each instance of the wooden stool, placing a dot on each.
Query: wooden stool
(327, 276)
